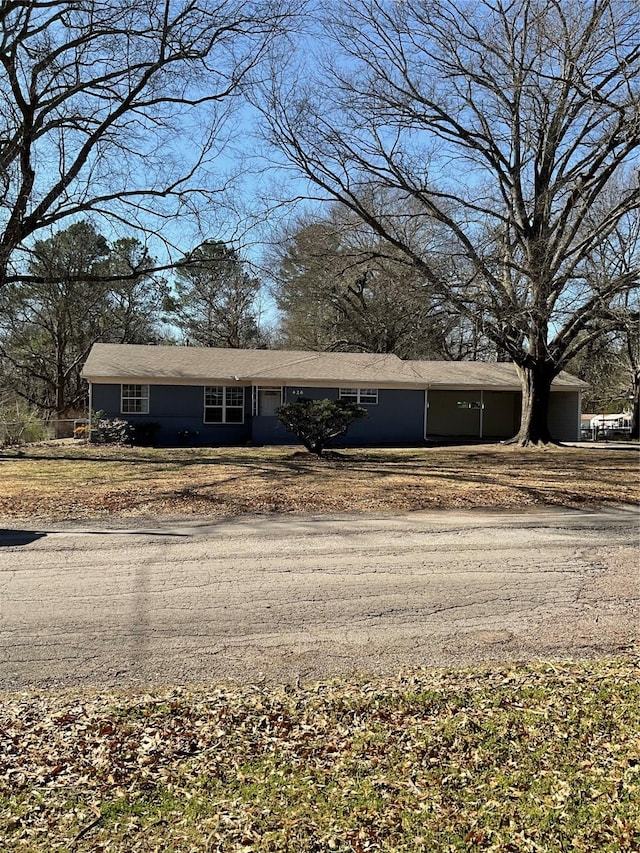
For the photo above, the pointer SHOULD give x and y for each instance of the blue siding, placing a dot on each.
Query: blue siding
(269, 430)
(397, 418)
(176, 408)
(564, 415)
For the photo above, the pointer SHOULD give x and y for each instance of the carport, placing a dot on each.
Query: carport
(483, 400)
(472, 413)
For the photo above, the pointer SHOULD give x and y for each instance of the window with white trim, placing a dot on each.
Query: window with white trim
(134, 399)
(223, 404)
(359, 395)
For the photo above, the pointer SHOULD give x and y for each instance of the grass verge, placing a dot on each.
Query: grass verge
(72, 481)
(542, 757)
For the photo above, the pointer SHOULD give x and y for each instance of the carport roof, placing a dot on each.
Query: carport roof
(162, 364)
(480, 374)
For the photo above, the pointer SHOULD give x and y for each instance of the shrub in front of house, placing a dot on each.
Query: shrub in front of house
(316, 423)
(110, 430)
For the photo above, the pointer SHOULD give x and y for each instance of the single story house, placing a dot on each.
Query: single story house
(229, 396)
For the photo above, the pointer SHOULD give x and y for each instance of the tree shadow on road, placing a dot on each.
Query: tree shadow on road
(19, 537)
(13, 537)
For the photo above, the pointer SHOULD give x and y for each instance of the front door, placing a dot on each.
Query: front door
(269, 399)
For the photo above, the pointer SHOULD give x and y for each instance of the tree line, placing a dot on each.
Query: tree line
(336, 288)
(477, 163)
(81, 289)
(333, 291)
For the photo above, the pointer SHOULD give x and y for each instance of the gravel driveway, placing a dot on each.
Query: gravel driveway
(280, 598)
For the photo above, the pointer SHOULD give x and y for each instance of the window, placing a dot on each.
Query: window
(360, 395)
(223, 405)
(134, 399)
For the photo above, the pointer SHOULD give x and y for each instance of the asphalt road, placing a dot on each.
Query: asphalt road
(281, 598)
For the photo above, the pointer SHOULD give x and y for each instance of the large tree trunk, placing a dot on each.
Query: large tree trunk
(536, 390)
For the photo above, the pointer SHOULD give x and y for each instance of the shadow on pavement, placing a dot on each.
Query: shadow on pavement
(19, 537)
(13, 538)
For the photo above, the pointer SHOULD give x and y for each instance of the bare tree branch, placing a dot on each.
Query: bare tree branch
(108, 104)
(511, 126)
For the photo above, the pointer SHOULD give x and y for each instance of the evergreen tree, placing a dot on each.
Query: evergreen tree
(215, 299)
(78, 290)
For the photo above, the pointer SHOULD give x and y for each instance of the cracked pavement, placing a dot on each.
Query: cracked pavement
(281, 598)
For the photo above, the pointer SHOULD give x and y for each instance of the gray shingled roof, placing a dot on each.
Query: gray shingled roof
(478, 374)
(206, 363)
(129, 362)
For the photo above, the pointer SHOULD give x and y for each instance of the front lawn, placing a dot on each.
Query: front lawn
(542, 757)
(66, 481)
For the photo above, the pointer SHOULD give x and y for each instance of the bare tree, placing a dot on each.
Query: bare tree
(505, 123)
(618, 255)
(632, 344)
(624, 245)
(118, 108)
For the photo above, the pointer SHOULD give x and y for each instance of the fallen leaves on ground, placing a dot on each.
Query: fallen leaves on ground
(516, 758)
(77, 482)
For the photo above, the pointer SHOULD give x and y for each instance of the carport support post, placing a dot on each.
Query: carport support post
(579, 415)
(481, 410)
(89, 424)
(426, 410)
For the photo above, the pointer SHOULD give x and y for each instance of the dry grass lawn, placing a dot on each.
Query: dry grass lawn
(59, 481)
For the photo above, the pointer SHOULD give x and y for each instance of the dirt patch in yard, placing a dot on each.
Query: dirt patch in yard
(61, 481)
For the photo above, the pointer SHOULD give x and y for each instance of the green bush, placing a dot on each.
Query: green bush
(316, 423)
